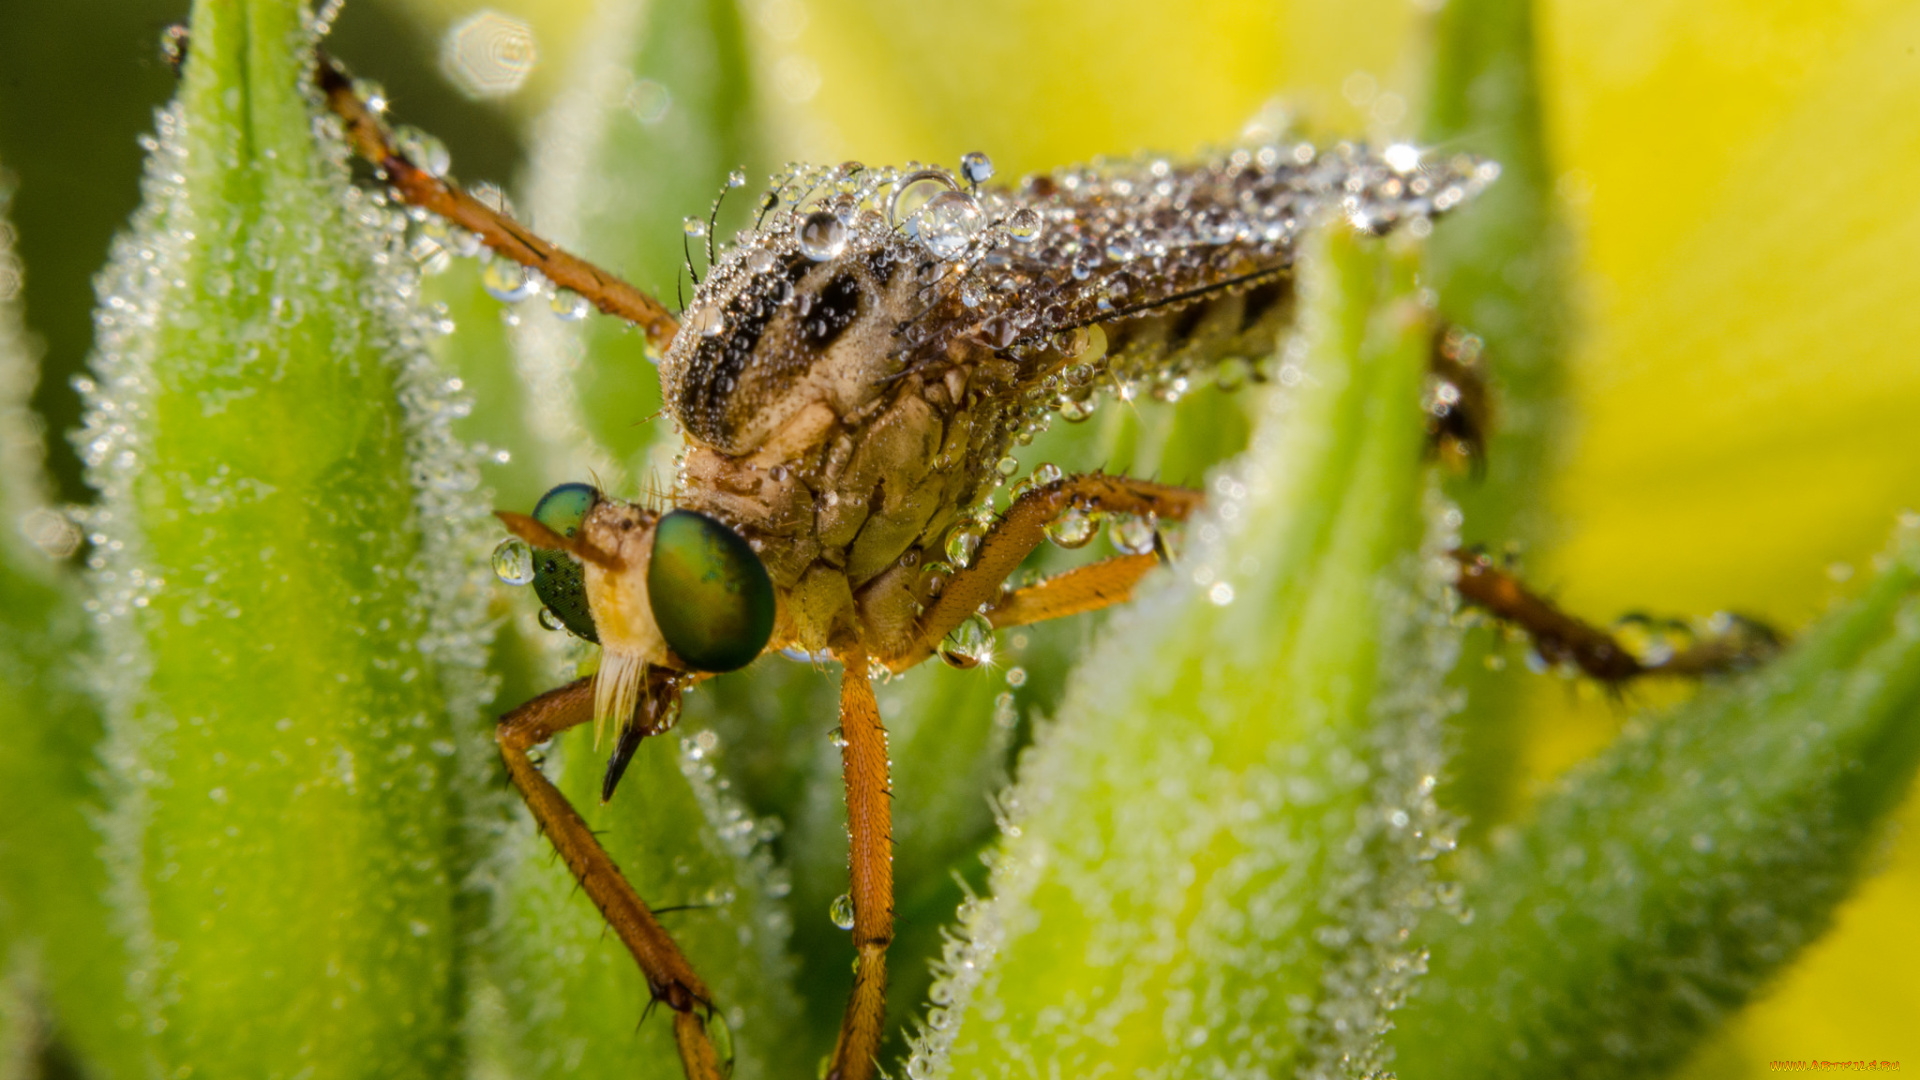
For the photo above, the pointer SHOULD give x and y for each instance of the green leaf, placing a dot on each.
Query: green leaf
(1659, 888)
(287, 579)
(65, 967)
(1212, 852)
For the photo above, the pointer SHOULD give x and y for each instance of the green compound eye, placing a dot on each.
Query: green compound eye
(558, 580)
(711, 597)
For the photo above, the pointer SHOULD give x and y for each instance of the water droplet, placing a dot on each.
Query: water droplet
(976, 167)
(737, 178)
(838, 737)
(760, 261)
(841, 911)
(970, 644)
(568, 305)
(507, 281)
(720, 1034)
(1046, 473)
(961, 544)
(1221, 594)
(372, 94)
(1006, 466)
(822, 236)
(1025, 225)
(706, 320)
(513, 561)
(695, 227)
(550, 621)
(1132, 534)
(426, 152)
(947, 224)
(1074, 528)
(1017, 677)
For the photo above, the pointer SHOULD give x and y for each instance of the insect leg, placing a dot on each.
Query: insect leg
(870, 863)
(1022, 528)
(1458, 402)
(1072, 592)
(669, 976)
(1561, 638)
(372, 141)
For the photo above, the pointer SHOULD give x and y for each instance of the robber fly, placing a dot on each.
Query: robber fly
(849, 378)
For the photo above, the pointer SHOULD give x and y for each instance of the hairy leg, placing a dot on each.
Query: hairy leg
(870, 865)
(1021, 529)
(669, 976)
(372, 141)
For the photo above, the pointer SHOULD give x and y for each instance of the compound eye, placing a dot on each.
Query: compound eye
(558, 580)
(711, 596)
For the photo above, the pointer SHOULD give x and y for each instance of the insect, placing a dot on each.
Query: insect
(850, 377)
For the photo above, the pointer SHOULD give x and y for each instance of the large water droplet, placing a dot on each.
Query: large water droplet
(947, 224)
(1025, 225)
(513, 561)
(507, 281)
(568, 305)
(706, 320)
(695, 227)
(1132, 534)
(841, 911)
(822, 236)
(976, 167)
(961, 544)
(1074, 528)
(970, 644)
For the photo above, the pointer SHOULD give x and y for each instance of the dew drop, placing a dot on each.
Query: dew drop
(695, 227)
(1006, 466)
(838, 737)
(707, 321)
(1016, 677)
(1025, 225)
(720, 1034)
(976, 167)
(568, 305)
(507, 282)
(426, 152)
(961, 544)
(1074, 528)
(841, 911)
(970, 644)
(737, 178)
(372, 94)
(1046, 473)
(822, 236)
(1132, 534)
(760, 261)
(513, 561)
(550, 621)
(947, 224)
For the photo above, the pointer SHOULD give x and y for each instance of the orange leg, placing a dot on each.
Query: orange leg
(668, 975)
(371, 140)
(1021, 529)
(1561, 638)
(870, 864)
(1073, 592)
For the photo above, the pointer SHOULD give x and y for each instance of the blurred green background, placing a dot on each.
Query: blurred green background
(1745, 377)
